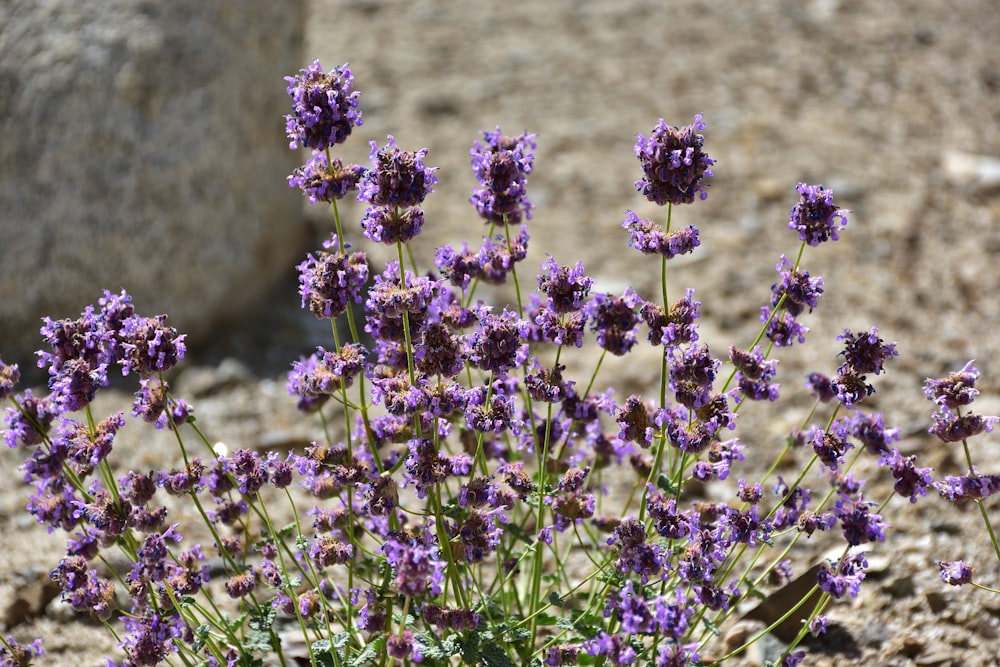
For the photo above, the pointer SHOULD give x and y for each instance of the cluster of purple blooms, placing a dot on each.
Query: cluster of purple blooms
(468, 455)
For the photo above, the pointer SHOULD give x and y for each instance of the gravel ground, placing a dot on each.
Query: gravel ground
(895, 105)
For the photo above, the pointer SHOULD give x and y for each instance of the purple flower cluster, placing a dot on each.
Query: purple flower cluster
(951, 394)
(673, 163)
(331, 280)
(325, 181)
(501, 164)
(395, 187)
(324, 109)
(468, 464)
(647, 238)
(816, 218)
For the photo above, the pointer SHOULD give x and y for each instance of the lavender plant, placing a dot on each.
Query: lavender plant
(460, 510)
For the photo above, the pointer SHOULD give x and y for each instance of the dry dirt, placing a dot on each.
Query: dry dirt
(895, 105)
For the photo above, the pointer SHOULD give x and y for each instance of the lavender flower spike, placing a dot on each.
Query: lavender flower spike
(816, 218)
(324, 110)
(673, 163)
(501, 166)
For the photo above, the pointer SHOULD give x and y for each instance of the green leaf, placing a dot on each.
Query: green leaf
(435, 649)
(469, 649)
(494, 656)
(322, 653)
(547, 619)
(262, 618)
(556, 600)
(258, 640)
(370, 653)
(200, 637)
(664, 482)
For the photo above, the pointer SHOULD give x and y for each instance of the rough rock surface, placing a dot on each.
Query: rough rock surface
(874, 99)
(142, 149)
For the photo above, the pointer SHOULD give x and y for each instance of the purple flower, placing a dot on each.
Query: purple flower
(498, 344)
(13, 654)
(323, 374)
(391, 224)
(151, 637)
(418, 567)
(152, 564)
(800, 291)
(459, 268)
(497, 256)
(547, 385)
(614, 320)
(845, 577)
(392, 296)
(872, 432)
(478, 534)
(325, 182)
(865, 352)
(137, 488)
(149, 346)
(971, 487)
(83, 589)
(567, 287)
(614, 647)
(179, 482)
(647, 237)
(691, 436)
(501, 164)
(955, 428)
(635, 421)
(677, 326)
(150, 400)
(851, 388)
(398, 394)
(746, 526)
(793, 659)
(326, 551)
(831, 445)
(9, 377)
(495, 415)
(86, 449)
(562, 654)
(673, 163)
(85, 339)
(634, 553)
(954, 390)
(437, 351)
(55, 504)
(674, 654)
(821, 387)
(754, 374)
(782, 328)
(818, 626)
(398, 178)
(631, 610)
(858, 523)
(425, 465)
(911, 481)
(956, 572)
(329, 281)
(692, 372)
(324, 110)
(816, 218)
(400, 646)
(76, 384)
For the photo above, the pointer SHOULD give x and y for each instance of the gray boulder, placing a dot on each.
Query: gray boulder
(142, 147)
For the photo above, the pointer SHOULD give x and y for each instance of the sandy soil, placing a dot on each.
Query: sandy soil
(895, 105)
